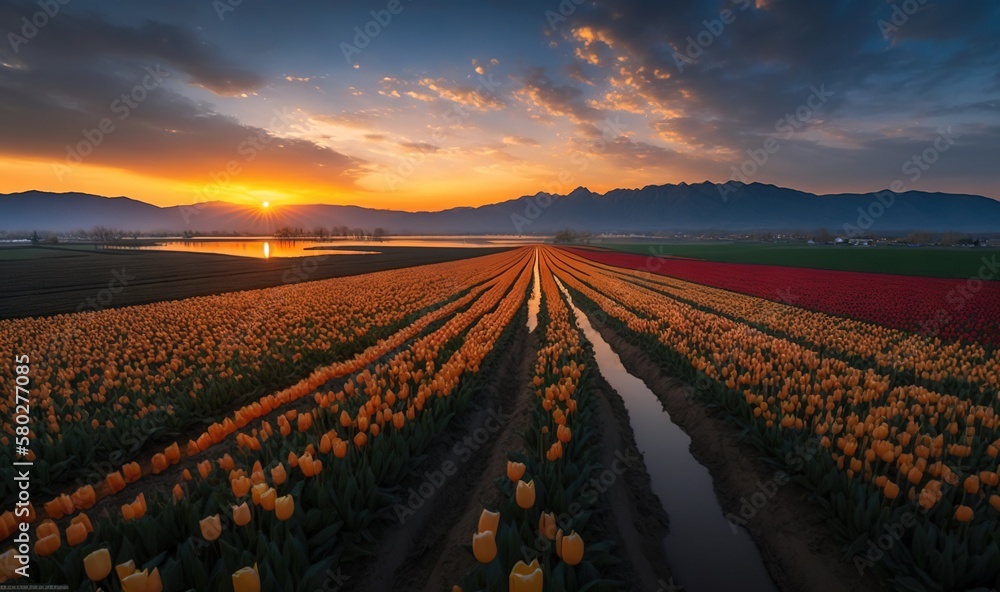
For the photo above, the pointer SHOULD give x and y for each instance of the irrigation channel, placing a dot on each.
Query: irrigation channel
(705, 551)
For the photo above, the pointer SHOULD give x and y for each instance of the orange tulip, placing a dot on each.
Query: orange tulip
(360, 439)
(525, 494)
(97, 564)
(241, 514)
(135, 582)
(284, 507)
(84, 498)
(340, 448)
(115, 482)
(489, 521)
(484, 546)
(75, 534)
(995, 502)
(84, 520)
(46, 528)
(891, 490)
(972, 484)
(132, 472)
(569, 547)
(211, 527)
(247, 579)
(525, 577)
(172, 453)
(278, 474)
(240, 486)
(47, 545)
(178, 492)
(126, 569)
(267, 499)
(547, 525)
(964, 514)
(515, 471)
(153, 582)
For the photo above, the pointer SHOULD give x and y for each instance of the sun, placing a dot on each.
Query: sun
(265, 205)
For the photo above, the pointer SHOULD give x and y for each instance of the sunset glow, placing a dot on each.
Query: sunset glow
(609, 96)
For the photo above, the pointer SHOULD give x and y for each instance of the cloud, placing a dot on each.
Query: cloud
(87, 40)
(84, 73)
(520, 141)
(542, 93)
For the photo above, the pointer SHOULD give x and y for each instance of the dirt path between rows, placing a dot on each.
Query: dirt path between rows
(799, 551)
(426, 551)
(636, 520)
(423, 550)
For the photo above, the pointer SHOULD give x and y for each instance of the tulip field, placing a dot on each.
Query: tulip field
(263, 439)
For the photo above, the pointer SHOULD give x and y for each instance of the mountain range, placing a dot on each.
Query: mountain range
(682, 207)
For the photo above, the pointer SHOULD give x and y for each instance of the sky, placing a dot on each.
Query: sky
(425, 105)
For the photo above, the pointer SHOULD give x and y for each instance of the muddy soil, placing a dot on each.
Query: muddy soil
(798, 549)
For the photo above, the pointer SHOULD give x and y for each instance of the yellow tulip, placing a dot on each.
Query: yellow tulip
(484, 546)
(525, 494)
(525, 578)
(247, 579)
(489, 521)
(211, 527)
(97, 564)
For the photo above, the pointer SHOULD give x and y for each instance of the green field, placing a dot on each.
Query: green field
(924, 261)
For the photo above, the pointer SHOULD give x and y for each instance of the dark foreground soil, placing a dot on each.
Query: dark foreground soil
(798, 549)
(426, 550)
(83, 280)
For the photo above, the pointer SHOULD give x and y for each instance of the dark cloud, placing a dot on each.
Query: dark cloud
(80, 73)
(541, 92)
(90, 40)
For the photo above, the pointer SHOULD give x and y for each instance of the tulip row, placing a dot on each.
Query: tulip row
(534, 539)
(366, 433)
(131, 472)
(944, 307)
(108, 382)
(909, 357)
(884, 450)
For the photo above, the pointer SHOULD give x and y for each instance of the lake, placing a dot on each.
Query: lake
(266, 248)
